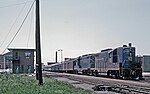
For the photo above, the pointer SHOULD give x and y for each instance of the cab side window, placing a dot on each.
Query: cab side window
(115, 57)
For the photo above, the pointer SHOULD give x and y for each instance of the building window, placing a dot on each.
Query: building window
(16, 54)
(27, 54)
(29, 69)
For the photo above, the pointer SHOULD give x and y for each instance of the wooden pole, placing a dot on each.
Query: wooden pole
(56, 57)
(38, 44)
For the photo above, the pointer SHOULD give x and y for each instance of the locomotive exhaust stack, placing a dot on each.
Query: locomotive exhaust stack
(130, 44)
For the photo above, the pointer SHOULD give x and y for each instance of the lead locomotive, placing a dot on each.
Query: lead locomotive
(119, 62)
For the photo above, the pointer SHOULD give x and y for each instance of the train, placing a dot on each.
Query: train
(118, 62)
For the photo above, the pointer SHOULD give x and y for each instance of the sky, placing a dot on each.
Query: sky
(77, 26)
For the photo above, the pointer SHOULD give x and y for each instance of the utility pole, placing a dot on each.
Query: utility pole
(38, 45)
(4, 63)
(56, 57)
(61, 56)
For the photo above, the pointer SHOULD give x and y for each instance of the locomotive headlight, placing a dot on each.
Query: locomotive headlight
(130, 58)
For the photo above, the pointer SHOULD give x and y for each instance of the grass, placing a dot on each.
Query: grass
(24, 84)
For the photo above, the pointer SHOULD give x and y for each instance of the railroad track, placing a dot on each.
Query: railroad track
(115, 87)
(119, 86)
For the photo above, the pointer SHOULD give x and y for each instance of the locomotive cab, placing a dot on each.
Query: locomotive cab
(128, 67)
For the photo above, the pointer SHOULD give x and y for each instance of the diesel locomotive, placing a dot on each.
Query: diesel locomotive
(119, 63)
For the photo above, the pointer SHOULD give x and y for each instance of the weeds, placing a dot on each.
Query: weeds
(24, 84)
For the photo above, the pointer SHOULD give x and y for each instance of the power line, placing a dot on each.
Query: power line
(20, 27)
(6, 0)
(29, 31)
(14, 4)
(13, 24)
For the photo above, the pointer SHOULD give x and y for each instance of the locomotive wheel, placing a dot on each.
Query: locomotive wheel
(96, 73)
(126, 75)
(116, 74)
(83, 72)
(92, 72)
(108, 73)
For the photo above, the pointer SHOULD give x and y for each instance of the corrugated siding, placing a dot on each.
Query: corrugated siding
(146, 63)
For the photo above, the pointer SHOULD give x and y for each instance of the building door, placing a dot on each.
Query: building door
(29, 69)
(16, 67)
(22, 68)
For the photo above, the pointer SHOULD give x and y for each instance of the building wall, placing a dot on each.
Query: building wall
(8, 63)
(146, 63)
(23, 61)
(145, 60)
(1, 62)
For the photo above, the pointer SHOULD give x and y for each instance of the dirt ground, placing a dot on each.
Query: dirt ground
(81, 85)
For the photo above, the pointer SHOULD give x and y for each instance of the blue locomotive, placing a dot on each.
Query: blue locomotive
(119, 62)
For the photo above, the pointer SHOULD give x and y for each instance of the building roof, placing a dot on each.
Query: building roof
(21, 49)
(49, 63)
